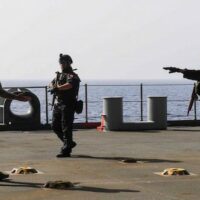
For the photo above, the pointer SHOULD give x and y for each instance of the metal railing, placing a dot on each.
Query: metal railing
(85, 95)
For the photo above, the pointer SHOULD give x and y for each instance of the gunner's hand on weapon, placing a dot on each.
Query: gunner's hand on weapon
(54, 89)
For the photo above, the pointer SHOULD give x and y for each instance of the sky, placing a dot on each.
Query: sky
(107, 39)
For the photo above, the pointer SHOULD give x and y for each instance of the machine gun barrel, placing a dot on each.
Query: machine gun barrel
(173, 69)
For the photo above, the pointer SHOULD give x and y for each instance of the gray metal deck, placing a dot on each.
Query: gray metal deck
(96, 165)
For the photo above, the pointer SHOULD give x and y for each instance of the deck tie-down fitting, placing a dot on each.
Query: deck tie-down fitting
(175, 172)
(24, 170)
(62, 185)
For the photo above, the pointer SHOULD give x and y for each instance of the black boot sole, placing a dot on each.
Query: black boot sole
(63, 155)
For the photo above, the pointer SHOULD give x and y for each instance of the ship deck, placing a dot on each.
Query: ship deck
(96, 165)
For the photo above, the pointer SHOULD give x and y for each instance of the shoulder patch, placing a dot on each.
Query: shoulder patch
(70, 76)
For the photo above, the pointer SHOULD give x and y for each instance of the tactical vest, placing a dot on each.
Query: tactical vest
(68, 96)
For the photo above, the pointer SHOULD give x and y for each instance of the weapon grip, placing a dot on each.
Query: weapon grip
(54, 95)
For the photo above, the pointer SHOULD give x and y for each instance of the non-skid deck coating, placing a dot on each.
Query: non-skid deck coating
(96, 167)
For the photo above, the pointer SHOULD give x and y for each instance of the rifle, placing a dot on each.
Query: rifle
(54, 93)
(193, 98)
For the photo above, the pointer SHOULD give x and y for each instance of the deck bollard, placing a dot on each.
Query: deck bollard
(113, 111)
(157, 111)
(156, 116)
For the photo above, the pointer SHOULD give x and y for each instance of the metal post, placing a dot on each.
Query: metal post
(86, 104)
(141, 102)
(157, 111)
(195, 110)
(47, 112)
(113, 110)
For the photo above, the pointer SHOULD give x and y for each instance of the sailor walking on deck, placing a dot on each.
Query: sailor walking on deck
(65, 87)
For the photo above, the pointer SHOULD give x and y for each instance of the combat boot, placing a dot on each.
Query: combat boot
(63, 155)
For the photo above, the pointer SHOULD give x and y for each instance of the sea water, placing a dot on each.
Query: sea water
(178, 94)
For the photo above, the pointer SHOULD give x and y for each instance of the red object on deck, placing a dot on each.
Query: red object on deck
(101, 128)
